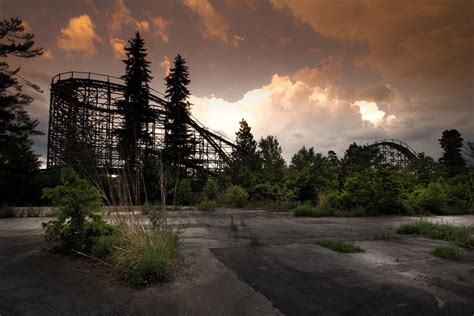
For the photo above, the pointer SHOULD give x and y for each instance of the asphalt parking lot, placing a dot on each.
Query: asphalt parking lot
(268, 265)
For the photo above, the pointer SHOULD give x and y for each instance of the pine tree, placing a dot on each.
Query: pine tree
(273, 164)
(18, 162)
(245, 160)
(137, 113)
(179, 143)
(452, 143)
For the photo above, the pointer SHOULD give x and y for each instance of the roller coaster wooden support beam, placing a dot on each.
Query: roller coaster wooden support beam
(83, 117)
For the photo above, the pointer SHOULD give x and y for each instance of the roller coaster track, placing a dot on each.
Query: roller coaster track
(394, 151)
(83, 117)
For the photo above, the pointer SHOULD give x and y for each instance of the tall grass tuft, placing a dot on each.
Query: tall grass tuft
(460, 235)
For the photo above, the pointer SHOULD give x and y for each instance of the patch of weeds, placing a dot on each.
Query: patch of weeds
(33, 212)
(207, 205)
(448, 252)
(141, 257)
(460, 235)
(311, 211)
(7, 212)
(339, 245)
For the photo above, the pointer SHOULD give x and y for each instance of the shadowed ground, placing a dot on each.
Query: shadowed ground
(224, 273)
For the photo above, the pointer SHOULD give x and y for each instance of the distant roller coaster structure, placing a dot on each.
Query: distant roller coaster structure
(394, 152)
(83, 116)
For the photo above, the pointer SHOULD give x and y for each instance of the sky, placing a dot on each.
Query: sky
(313, 73)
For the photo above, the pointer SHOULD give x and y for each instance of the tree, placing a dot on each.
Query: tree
(452, 143)
(311, 174)
(137, 113)
(245, 161)
(179, 143)
(273, 164)
(18, 162)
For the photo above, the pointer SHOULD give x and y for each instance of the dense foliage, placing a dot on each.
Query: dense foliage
(134, 107)
(79, 223)
(179, 145)
(18, 163)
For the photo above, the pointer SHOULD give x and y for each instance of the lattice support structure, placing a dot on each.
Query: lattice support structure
(394, 152)
(83, 117)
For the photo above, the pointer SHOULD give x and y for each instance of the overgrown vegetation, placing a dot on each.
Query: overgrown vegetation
(79, 223)
(136, 253)
(448, 252)
(339, 246)
(460, 235)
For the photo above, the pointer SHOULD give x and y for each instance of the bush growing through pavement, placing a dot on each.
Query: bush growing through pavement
(207, 205)
(210, 189)
(236, 196)
(79, 223)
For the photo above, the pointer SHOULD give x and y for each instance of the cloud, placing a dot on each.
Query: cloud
(166, 65)
(299, 110)
(370, 112)
(120, 16)
(143, 25)
(118, 46)
(79, 36)
(284, 40)
(236, 40)
(161, 26)
(430, 40)
(215, 26)
(47, 54)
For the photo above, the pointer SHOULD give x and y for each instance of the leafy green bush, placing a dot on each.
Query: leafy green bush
(184, 193)
(460, 235)
(308, 210)
(432, 199)
(79, 222)
(235, 196)
(207, 205)
(264, 191)
(376, 191)
(210, 189)
(448, 252)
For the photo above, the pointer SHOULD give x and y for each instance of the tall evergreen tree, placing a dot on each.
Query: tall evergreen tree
(452, 143)
(270, 154)
(179, 143)
(18, 162)
(134, 134)
(245, 160)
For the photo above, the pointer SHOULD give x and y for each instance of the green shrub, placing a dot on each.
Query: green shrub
(264, 191)
(448, 252)
(236, 196)
(460, 235)
(79, 222)
(339, 246)
(308, 210)
(103, 247)
(184, 193)
(143, 257)
(432, 199)
(210, 189)
(207, 205)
